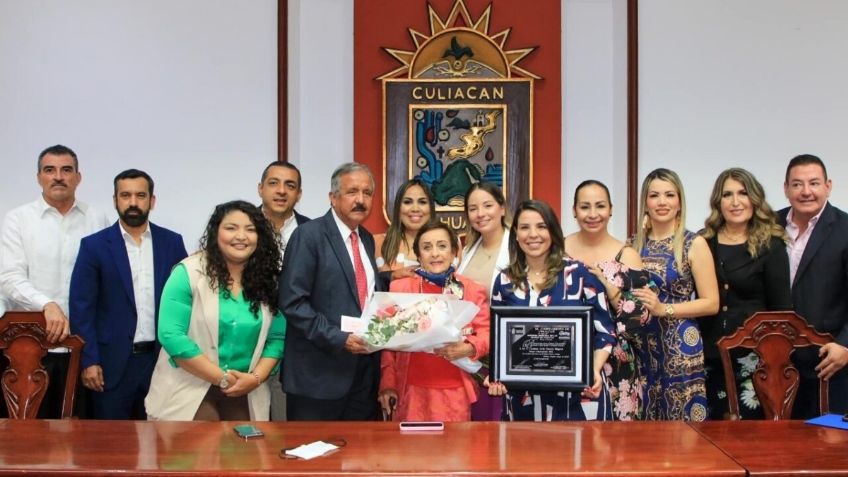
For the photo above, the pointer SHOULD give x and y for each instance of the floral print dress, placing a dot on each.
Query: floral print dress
(670, 352)
(624, 380)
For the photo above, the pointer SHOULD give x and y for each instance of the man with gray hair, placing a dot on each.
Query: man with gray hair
(329, 271)
(39, 242)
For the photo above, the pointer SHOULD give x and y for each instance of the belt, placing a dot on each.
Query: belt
(144, 347)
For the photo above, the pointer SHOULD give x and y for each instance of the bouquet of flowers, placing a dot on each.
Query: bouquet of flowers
(416, 322)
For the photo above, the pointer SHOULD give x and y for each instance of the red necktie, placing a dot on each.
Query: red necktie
(359, 270)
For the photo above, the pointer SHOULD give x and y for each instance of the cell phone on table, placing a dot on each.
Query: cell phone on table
(247, 431)
(422, 426)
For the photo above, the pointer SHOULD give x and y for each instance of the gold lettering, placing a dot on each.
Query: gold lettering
(471, 92)
(498, 93)
(457, 222)
(458, 94)
(416, 92)
(441, 96)
(429, 93)
(484, 94)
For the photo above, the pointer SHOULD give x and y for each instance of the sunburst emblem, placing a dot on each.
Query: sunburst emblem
(459, 47)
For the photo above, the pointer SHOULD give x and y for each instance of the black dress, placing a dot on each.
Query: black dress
(746, 285)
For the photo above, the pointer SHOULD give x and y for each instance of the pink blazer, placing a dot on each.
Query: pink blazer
(394, 365)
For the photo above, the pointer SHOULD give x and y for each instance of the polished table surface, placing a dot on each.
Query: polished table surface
(96, 448)
(781, 447)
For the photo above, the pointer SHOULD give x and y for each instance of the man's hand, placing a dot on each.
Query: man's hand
(92, 378)
(356, 345)
(58, 327)
(834, 357)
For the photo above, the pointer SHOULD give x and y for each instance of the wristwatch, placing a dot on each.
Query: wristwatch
(669, 311)
(224, 383)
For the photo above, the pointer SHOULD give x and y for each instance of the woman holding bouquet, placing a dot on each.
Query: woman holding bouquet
(425, 386)
(619, 268)
(540, 274)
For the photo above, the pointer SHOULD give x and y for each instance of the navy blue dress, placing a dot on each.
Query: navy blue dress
(575, 286)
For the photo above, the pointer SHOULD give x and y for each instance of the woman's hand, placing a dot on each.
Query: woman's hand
(240, 383)
(460, 349)
(496, 388)
(404, 272)
(595, 390)
(387, 398)
(596, 271)
(650, 300)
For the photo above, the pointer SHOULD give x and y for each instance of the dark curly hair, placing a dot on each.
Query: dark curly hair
(259, 279)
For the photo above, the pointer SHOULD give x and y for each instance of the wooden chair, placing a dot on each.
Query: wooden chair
(23, 339)
(773, 336)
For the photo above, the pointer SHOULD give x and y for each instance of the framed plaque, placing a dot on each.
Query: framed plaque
(542, 348)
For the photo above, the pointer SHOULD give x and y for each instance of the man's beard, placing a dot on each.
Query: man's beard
(133, 216)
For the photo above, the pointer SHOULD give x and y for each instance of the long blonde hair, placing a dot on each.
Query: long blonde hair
(763, 224)
(672, 178)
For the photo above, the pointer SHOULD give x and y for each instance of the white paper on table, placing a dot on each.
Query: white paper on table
(311, 450)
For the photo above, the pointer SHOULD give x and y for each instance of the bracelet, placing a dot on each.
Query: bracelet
(258, 380)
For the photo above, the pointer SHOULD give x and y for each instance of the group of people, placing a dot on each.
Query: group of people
(220, 334)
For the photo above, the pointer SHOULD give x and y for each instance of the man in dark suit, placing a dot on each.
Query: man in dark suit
(114, 299)
(329, 271)
(818, 269)
(280, 190)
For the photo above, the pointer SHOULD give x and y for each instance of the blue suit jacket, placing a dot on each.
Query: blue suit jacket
(317, 286)
(102, 303)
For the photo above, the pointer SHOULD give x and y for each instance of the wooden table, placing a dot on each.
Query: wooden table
(98, 448)
(780, 448)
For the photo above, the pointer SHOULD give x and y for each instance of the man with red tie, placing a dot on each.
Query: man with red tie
(329, 271)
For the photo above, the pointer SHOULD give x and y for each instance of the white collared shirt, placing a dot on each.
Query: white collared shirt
(285, 233)
(38, 249)
(366, 262)
(798, 241)
(141, 270)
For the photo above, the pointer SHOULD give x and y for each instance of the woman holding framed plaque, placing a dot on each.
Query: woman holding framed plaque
(619, 268)
(427, 386)
(540, 275)
(683, 288)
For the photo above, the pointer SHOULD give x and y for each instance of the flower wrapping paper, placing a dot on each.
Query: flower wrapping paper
(417, 322)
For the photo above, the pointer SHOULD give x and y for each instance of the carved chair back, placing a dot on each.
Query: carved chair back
(23, 340)
(773, 336)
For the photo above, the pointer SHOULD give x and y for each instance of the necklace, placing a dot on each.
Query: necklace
(740, 238)
(487, 253)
